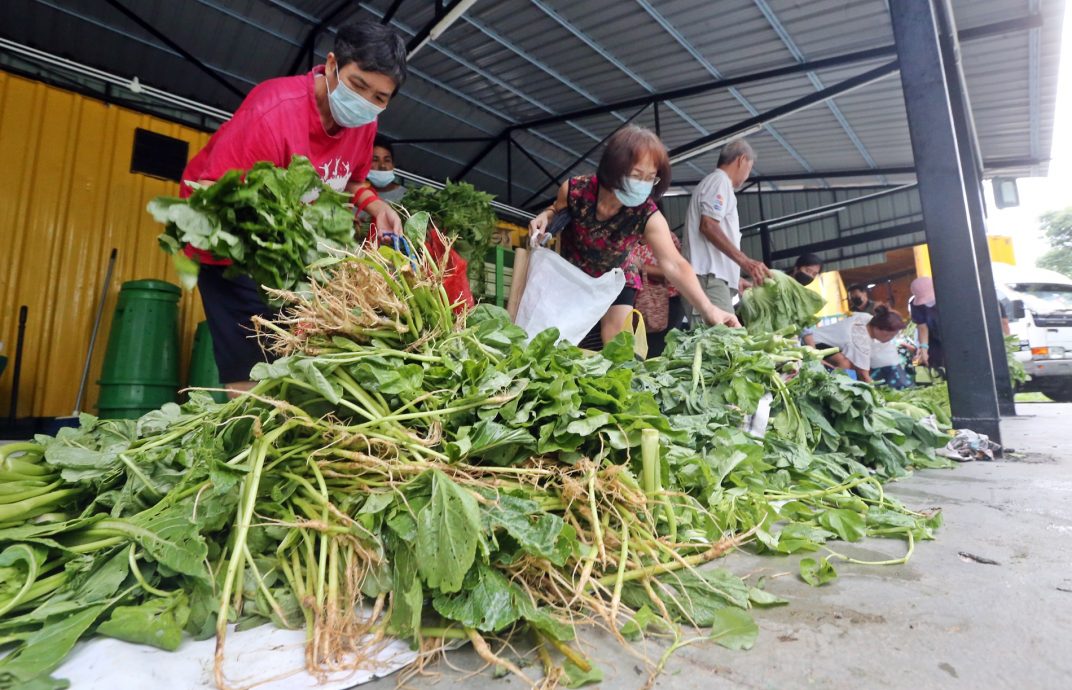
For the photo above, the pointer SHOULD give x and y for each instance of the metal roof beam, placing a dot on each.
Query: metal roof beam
(445, 16)
(706, 143)
(606, 55)
(714, 72)
(836, 206)
(554, 181)
(166, 40)
(308, 46)
(798, 55)
(850, 240)
(1028, 22)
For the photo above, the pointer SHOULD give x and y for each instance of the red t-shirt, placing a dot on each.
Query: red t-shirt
(277, 120)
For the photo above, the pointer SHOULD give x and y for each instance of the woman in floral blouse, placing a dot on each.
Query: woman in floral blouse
(612, 211)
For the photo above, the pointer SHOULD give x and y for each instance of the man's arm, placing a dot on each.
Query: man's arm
(712, 231)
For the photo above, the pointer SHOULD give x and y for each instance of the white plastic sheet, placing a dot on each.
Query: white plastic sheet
(266, 658)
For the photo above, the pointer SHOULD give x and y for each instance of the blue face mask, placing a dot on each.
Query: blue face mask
(635, 192)
(350, 109)
(381, 178)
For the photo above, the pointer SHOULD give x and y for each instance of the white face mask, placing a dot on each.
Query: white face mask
(349, 108)
(381, 178)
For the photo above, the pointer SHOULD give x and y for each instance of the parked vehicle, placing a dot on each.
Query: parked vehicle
(1038, 304)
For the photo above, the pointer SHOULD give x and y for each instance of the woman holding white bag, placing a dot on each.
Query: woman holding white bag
(611, 212)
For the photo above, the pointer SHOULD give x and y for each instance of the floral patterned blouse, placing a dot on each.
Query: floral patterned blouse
(597, 246)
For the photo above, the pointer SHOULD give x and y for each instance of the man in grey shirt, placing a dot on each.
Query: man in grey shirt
(713, 231)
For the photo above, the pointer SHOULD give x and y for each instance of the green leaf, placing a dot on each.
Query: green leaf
(416, 228)
(761, 597)
(641, 622)
(817, 573)
(157, 622)
(448, 533)
(576, 678)
(733, 629)
(848, 525)
(170, 538)
(486, 603)
(46, 648)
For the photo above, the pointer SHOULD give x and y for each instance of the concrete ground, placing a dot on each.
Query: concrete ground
(944, 620)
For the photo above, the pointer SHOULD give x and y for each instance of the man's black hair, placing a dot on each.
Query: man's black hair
(860, 287)
(374, 48)
(808, 260)
(384, 143)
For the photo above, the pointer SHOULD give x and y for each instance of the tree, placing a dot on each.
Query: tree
(1058, 228)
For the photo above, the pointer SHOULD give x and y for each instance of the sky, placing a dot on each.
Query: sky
(1041, 194)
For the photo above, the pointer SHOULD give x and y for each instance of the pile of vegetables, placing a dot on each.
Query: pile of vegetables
(778, 303)
(400, 471)
(465, 215)
(270, 222)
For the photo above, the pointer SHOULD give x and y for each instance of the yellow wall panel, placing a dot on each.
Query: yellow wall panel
(1001, 251)
(67, 197)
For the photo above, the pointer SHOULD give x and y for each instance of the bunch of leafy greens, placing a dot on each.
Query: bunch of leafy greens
(779, 303)
(458, 480)
(271, 223)
(920, 402)
(1017, 373)
(465, 215)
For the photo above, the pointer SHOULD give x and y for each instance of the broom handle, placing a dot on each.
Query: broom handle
(93, 335)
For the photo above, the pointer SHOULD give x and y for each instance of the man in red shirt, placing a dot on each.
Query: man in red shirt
(328, 116)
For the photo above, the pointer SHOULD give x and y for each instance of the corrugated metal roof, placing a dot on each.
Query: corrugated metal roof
(507, 62)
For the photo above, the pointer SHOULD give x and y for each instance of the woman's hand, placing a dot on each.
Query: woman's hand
(921, 356)
(538, 227)
(715, 316)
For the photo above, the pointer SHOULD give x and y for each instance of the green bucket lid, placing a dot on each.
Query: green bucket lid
(157, 285)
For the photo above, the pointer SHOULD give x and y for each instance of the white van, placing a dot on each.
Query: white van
(1038, 304)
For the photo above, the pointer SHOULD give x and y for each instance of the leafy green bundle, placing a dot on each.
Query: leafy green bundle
(272, 223)
(781, 302)
(457, 480)
(465, 215)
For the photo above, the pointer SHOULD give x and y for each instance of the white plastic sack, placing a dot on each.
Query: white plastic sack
(265, 658)
(560, 295)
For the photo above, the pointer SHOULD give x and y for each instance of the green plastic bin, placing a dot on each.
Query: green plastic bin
(203, 371)
(141, 365)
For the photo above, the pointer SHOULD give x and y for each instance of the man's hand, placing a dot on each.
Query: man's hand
(921, 357)
(757, 269)
(715, 316)
(384, 218)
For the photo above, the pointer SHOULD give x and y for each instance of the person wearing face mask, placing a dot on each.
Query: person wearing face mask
(805, 271)
(807, 268)
(328, 116)
(382, 174)
(712, 229)
(611, 212)
(860, 301)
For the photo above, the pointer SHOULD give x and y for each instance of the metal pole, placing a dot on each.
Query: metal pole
(970, 163)
(972, 391)
(764, 231)
(509, 170)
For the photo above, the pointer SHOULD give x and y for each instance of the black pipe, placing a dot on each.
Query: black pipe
(16, 375)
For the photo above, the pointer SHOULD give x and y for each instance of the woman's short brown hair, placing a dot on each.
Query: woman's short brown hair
(624, 148)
